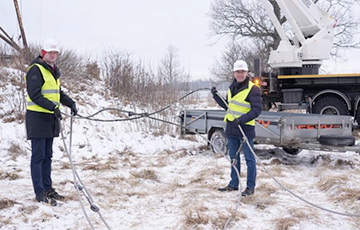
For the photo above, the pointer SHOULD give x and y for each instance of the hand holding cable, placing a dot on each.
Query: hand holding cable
(213, 90)
(74, 110)
(57, 113)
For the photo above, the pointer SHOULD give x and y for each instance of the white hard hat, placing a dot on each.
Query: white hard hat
(51, 45)
(240, 65)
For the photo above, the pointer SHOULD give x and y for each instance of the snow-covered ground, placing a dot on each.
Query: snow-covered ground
(149, 180)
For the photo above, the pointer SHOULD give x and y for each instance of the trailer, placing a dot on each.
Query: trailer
(290, 131)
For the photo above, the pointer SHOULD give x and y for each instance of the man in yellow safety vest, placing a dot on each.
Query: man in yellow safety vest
(243, 105)
(42, 118)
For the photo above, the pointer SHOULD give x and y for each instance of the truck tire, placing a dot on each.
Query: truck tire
(219, 142)
(357, 118)
(292, 151)
(331, 106)
(336, 140)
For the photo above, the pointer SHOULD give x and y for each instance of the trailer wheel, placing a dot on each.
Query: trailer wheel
(336, 140)
(219, 142)
(330, 106)
(292, 151)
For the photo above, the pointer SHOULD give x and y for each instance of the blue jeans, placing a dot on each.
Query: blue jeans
(41, 154)
(234, 144)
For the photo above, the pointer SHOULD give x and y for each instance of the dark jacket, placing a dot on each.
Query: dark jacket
(254, 98)
(42, 125)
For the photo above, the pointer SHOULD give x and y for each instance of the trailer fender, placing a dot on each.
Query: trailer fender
(332, 92)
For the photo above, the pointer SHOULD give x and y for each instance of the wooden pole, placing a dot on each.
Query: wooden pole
(20, 24)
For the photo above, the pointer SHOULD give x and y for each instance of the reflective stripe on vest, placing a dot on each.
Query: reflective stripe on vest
(238, 106)
(50, 90)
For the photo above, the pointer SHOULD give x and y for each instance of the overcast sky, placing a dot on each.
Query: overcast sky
(144, 28)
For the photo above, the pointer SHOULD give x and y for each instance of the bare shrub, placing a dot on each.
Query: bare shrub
(261, 201)
(119, 71)
(28, 209)
(100, 167)
(15, 97)
(71, 65)
(10, 176)
(66, 181)
(92, 71)
(285, 223)
(112, 161)
(5, 54)
(71, 196)
(267, 188)
(196, 216)
(65, 165)
(15, 150)
(18, 107)
(6, 203)
(350, 196)
(141, 87)
(330, 182)
(146, 174)
(116, 179)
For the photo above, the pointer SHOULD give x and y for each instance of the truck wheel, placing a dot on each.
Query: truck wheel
(330, 106)
(337, 140)
(357, 117)
(219, 142)
(292, 151)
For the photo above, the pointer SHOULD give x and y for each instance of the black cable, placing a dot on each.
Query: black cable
(131, 113)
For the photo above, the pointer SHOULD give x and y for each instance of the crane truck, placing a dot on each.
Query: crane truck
(294, 82)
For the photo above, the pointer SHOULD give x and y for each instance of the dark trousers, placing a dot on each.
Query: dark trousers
(234, 144)
(41, 154)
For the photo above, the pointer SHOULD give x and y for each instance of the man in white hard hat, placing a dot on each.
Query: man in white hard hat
(43, 117)
(243, 105)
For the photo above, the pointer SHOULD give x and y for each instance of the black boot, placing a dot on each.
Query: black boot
(228, 188)
(51, 193)
(42, 197)
(248, 192)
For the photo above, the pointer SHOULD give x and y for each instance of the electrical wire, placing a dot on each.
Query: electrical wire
(79, 185)
(148, 115)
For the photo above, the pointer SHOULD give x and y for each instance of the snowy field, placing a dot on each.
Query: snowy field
(151, 180)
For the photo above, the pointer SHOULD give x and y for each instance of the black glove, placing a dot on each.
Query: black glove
(74, 110)
(57, 113)
(238, 121)
(213, 90)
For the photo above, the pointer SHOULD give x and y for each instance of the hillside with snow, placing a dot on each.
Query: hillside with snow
(145, 176)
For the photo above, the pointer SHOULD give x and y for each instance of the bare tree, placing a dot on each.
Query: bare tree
(247, 23)
(222, 69)
(170, 71)
(119, 70)
(347, 26)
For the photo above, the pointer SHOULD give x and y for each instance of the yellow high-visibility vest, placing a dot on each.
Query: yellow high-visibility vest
(50, 90)
(238, 106)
